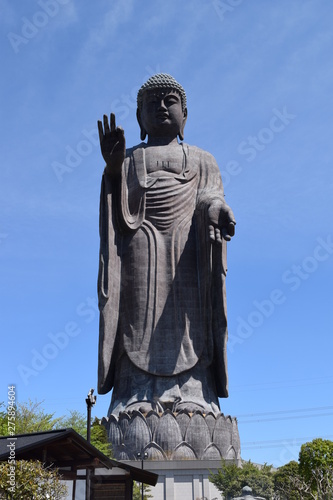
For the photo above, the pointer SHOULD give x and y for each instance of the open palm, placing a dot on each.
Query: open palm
(113, 144)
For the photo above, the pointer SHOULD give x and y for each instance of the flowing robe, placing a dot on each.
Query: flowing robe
(161, 282)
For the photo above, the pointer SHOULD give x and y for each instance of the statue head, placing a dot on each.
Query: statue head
(161, 107)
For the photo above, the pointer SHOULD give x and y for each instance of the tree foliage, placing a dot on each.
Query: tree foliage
(3, 420)
(99, 438)
(137, 491)
(230, 479)
(32, 481)
(227, 480)
(316, 467)
(311, 478)
(285, 482)
(31, 417)
(75, 420)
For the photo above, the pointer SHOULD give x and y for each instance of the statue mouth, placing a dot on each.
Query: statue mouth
(162, 116)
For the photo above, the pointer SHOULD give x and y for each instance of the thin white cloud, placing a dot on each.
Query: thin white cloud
(101, 34)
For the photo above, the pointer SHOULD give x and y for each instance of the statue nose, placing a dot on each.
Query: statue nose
(162, 105)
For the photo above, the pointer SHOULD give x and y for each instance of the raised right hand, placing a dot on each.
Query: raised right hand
(113, 145)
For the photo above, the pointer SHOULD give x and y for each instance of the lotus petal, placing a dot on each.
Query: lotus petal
(115, 434)
(184, 452)
(210, 421)
(124, 420)
(120, 452)
(132, 455)
(167, 433)
(105, 423)
(211, 453)
(197, 434)
(155, 452)
(123, 456)
(231, 454)
(223, 434)
(152, 419)
(137, 434)
(183, 419)
(235, 437)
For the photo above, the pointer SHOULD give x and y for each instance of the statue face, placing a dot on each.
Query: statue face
(161, 114)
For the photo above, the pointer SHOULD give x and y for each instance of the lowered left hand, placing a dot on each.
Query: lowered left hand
(221, 221)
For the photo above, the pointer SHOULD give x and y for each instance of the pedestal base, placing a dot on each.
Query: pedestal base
(173, 436)
(181, 480)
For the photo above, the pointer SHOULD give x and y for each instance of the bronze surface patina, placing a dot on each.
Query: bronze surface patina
(164, 225)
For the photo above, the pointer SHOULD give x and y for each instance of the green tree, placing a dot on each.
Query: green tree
(230, 479)
(227, 480)
(99, 438)
(31, 417)
(316, 467)
(75, 420)
(32, 481)
(311, 477)
(3, 420)
(287, 482)
(261, 480)
(137, 491)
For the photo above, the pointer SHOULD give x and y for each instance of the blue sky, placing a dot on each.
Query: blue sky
(258, 77)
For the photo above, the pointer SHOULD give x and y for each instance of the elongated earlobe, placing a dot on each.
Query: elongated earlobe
(181, 131)
(143, 132)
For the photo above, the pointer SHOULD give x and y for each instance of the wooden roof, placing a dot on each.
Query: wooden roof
(66, 448)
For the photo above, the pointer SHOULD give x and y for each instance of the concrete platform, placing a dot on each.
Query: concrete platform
(182, 479)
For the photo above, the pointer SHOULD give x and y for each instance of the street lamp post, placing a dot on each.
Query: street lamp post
(142, 457)
(91, 401)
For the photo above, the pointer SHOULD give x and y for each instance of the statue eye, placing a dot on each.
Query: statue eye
(151, 101)
(172, 99)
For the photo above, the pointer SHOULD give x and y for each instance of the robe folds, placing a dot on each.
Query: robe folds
(161, 282)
